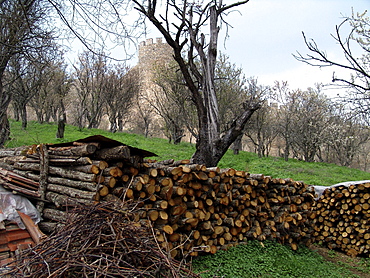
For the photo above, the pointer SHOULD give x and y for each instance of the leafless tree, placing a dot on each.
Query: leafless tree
(49, 101)
(357, 65)
(311, 118)
(263, 129)
(183, 25)
(91, 73)
(345, 138)
(283, 114)
(28, 79)
(24, 31)
(171, 101)
(122, 84)
(143, 116)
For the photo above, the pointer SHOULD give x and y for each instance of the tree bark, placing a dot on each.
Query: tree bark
(4, 128)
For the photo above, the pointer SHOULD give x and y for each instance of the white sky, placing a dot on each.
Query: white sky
(266, 33)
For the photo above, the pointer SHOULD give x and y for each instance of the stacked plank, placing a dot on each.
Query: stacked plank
(341, 218)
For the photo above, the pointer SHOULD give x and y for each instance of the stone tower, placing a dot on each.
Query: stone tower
(152, 52)
(152, 56)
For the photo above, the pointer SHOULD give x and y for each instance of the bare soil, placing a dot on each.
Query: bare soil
(353, 264)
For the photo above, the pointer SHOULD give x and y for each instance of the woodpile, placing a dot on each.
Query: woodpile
(341, 219)
(61, 176)
(202, 209)
(194, 209)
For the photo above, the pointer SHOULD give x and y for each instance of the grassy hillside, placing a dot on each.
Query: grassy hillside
(310, 173)
(254, 259)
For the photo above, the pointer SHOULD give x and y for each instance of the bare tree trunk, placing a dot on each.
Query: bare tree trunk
(16, 112)
(62, 121)
(23, 111)
(210, 146)
(237, 145)
(4, 129)
(4, 123)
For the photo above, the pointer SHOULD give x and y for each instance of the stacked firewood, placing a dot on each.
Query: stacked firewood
(203, 209)
(194, 209)
(341, 218)
(60, 176)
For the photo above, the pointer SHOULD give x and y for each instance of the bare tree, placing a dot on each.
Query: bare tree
(358, 79)
(91, 73)
(311, 117)
(142, 118)
(303, 117)
(122, 84)
(28, 79)
(182, 26)
(23, 31)
(345, 138)
(283, 114)
(171, 101)
(262, 129)
(47, 101)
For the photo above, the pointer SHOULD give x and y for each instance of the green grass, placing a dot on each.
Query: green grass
(310, 173)
(253, 259)
(269, 259)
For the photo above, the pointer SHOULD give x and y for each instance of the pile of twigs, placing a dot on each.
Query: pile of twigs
(99, 241)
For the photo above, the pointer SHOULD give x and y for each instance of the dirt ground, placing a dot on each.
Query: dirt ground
(351, 263)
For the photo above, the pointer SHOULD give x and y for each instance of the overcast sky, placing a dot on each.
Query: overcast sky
(268, 32)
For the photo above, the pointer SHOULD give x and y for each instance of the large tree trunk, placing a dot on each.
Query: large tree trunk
(61, 121)
(4, 103)
(210, 153)
(211, 146)
(23, 111)
(4, 129)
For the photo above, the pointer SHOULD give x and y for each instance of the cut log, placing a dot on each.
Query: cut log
(72, 192)
(55, 215)
(66, 173)
(62, 200)
(89, 169)
(116, 153)
(83, 150)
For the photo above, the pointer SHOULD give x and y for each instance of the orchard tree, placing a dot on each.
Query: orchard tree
(171, 101)
(287, 100)
(91, 72)
(183, 25)
(262, 129)
(345, 139)
(311, 116)
(50, 101)
(121, 87)
(24, 31)
(28, 79)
